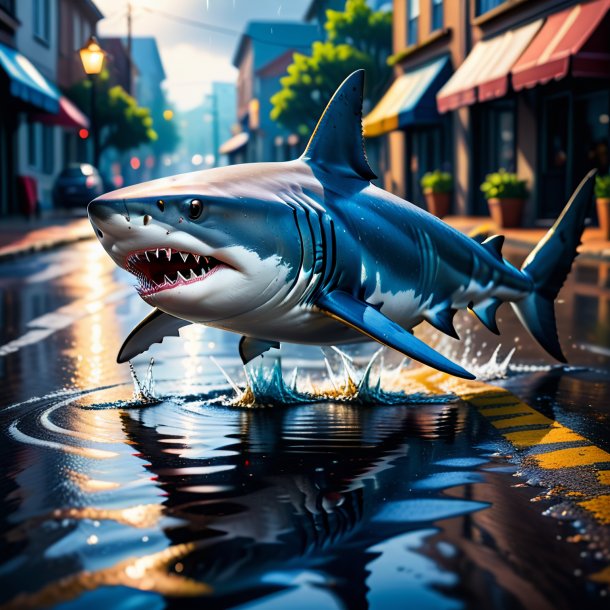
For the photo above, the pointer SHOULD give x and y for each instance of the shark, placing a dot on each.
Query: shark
(310, 251)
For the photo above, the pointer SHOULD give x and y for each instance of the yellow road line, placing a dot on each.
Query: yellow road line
(552, 436)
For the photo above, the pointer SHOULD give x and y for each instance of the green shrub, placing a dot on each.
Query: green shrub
(504, 185)
(437, 182)
(602, 186)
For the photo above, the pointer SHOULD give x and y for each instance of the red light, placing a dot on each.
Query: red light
(90, 181)
(135, 163)
(83, 134)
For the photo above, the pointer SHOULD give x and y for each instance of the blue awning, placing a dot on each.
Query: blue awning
(411, 100)
(26, 82)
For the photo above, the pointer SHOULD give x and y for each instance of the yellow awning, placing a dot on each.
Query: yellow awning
(409, 100)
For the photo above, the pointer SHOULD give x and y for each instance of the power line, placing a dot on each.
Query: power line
(220, 30)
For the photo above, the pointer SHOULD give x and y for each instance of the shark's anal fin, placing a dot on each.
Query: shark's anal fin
(250, 348)
(366, 319)
(152, 329)
(486, 312)
(443, 320)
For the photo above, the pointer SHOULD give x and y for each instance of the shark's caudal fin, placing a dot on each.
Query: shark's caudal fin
(336, 144)
(548, 266)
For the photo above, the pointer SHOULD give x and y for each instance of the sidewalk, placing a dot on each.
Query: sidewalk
(20, 236)
(593, 245)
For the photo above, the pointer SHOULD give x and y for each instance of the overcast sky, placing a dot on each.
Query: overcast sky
(192, 56)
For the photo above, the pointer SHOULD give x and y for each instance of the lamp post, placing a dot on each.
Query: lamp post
(92, 56)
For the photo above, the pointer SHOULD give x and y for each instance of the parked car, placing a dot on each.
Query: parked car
(76, 186)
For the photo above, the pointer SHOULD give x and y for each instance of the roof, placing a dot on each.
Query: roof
(273, 38)
(145, 53)
(92, 8)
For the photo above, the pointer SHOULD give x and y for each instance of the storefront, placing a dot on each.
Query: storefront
(539, 98)
(409, 105)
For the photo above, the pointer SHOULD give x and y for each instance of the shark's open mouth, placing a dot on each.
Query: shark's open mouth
(164, 268)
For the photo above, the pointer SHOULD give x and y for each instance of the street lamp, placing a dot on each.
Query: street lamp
(92, 57)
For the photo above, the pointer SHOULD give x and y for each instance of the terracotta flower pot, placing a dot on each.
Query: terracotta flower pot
(603, 215)
(506, 213)
(438, 203)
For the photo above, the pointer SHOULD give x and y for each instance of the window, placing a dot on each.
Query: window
(486, 5)
(48, 149)
(42, 19)
(413, 21)
(33, 144)
(437, 15)
(8, 6)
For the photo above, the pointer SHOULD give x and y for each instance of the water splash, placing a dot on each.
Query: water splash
(143, 392)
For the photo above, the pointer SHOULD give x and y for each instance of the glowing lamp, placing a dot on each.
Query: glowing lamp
(92, 56)
(83, 134)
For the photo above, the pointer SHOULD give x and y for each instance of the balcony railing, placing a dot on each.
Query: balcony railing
(8, 6)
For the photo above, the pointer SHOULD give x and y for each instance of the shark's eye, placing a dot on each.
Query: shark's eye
(161, 204)
(195, 209)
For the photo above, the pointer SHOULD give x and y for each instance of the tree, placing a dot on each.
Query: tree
(121, 122)
(358, 37)
(311, 82)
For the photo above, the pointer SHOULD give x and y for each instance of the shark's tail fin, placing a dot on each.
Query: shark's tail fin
(548, 266)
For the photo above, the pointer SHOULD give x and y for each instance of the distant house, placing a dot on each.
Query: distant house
(264, 52)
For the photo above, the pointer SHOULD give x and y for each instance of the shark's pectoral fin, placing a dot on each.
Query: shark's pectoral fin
(366, 319)
(152, 329)
(486, 312)
(250, 348)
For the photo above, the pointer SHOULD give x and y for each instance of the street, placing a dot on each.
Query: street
(111, 502)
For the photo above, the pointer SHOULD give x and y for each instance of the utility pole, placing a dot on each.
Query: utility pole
(215, 124)
(129, 48)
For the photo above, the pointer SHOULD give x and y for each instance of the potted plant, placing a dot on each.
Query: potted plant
(506, 195)
(437, 187)
(602, 200)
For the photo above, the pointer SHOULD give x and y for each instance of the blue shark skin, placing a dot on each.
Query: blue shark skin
(310, 251)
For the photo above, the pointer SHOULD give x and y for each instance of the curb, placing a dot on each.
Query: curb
(8, 253)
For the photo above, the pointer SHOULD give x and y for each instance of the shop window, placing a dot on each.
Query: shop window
(48, 152)
(495, 144)
(412, 21)
(33, 144)
(437, 15)
(42, 20)
(487, 5)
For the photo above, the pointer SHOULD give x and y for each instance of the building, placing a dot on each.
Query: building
(33, 113)
(263, 53)
(204, 128)
(524, 86)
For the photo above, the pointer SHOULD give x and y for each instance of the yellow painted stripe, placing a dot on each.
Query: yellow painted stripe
(531, 438)
(600, 507)
(603, 477)
(532, 419)
(575, 456)
(520, 409)
(602, 576)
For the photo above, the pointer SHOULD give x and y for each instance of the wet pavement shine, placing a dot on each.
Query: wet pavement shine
(423, 491)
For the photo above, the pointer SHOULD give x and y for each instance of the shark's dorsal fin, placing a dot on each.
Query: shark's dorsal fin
(494, 245)
(337, 144)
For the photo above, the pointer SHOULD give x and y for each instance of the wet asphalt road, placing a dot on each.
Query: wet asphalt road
(440, 503)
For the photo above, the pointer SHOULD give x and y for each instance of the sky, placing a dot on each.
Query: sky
(192, 56)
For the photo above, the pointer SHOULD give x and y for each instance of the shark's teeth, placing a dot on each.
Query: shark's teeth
(167, 280)
(146, 256)
(194, 276)
(181, 277)
(184, 256)
(197, 257)
(168, 252)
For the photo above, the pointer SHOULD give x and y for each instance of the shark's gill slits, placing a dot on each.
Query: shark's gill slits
(163, 268)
